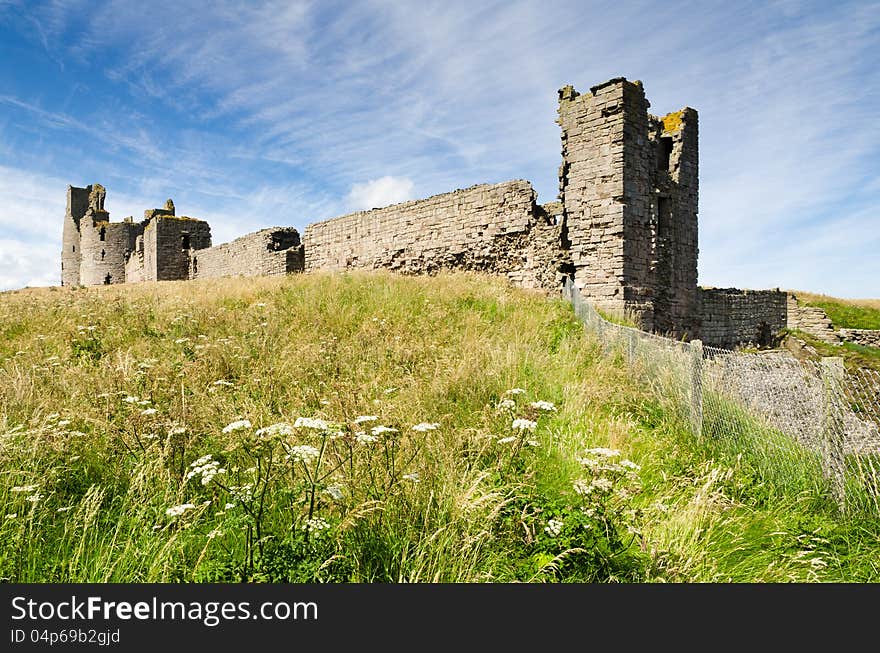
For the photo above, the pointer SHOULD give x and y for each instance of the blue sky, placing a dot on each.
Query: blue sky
(255, 114)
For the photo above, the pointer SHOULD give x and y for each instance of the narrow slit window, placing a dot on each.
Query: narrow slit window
(103, 234)
(102, 254)
(664, 157)
(184, 241)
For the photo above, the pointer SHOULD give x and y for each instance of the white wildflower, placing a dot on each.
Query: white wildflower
(177, 430)
(426, 426)
(334, 491)
(310, 423)
(131, 399)
(180, 341)
(533, 443)
(11, 515)
(281, 428)
(64, 422)
(506, 404)
(35, 497)
(303, 453)
(360, 419)
(364, 437)
(224, 382)
(205, 467)
(515, 391)
(524, 425)
(582, 487)
(52, 417)
(149, 411)
(553, 527)
(237, 425)
(215, 533)
(543, 405)
(315, 524)
(508, 440)
(379, 430)
(25, 488)
(389, 391)
(176, 511)
(602, 484)
(144, 402)
(630, 465)
(68, 508)
(413, 476)
(229, 506)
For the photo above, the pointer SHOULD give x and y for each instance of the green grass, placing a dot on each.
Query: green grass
(845, 314)
(88, 472)
(854, 355)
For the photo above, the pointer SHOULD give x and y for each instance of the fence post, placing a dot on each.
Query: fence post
(833, 461)
(696, 350)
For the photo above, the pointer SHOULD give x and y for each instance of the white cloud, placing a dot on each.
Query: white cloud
(25, 263)
(380, 192)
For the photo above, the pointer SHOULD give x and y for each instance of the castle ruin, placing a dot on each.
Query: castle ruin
(624, 229)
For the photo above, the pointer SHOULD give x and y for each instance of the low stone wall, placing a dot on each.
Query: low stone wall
(810, 319)
(489, 228)
(728, 317)
(865, 337)
(267, 252)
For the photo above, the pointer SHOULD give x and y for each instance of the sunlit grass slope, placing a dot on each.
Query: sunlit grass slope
(366, 428)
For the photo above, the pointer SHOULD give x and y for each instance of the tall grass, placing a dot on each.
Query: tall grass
(109, 397)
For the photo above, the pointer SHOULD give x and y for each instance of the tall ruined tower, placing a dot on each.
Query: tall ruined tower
(628, 186)
(71, 247)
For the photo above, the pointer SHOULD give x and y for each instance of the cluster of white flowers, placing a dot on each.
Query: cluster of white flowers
(237, 425)
(310, 423)
(334, 492)
(149, 411)
(413, 476)
(279, 429)
(131, 399)
(315, 524)
(515, 391)
(25, 488)
(506, 404)
(303, 453)
(543, 405)
(379, 430)
(360, 419)
(630, 465)
(524, 425)
(426, 426)
(205, 467)
(365, 438)
(215, 533)
(584, 487)
(180, 341)
(177, 430)
(508, 439)
(242, 492)
(553, 527)
(177, 511)
(224, 383)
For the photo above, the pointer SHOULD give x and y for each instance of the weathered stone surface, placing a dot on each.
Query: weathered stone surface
(491, 228)
(729, 317)
(810, 319)
(270, 251)
(864, 337)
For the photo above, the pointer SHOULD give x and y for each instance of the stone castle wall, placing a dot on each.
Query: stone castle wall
(624, 228)
(491, 228)
(810, 319)
(270, 251)
(728, 317)
(864, 337)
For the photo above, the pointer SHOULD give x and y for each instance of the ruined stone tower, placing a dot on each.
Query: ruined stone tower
(628, 186)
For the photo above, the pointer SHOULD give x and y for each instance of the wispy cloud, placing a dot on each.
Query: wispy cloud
(271, 112)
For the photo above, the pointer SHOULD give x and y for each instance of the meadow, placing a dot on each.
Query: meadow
(368, 428)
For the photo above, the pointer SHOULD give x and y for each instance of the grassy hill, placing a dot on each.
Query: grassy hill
(845, 313)
(367, 427)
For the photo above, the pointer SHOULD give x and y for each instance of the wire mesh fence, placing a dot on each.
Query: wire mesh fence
(803, 425)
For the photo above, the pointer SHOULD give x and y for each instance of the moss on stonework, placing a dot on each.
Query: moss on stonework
(672, 121)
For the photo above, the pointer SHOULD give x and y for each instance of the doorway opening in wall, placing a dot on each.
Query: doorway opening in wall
(664, 155)
(107, 279)
(184, 241)
(103, 234)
